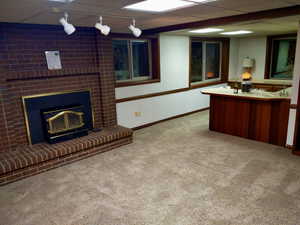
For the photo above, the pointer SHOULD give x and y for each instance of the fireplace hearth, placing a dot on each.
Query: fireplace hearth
(56, 117)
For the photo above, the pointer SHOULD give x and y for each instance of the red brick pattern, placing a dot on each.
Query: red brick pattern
(107, 80)
(16, 127)
(25, 45)
(38, 158)
(3, 130)
(87, 64)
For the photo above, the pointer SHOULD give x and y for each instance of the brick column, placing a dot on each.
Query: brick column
(4, 142)
(107, 80)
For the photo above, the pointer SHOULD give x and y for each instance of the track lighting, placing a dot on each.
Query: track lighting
(103, 28)
(136, 31)
(69, 28)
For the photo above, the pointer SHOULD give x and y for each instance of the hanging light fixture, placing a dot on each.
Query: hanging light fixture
(69, 28)
(103, 28)
(136, 31)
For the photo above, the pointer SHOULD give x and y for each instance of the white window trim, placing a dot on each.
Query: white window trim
(204, 79)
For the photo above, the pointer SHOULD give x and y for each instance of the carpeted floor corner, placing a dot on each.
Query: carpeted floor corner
(175, 173)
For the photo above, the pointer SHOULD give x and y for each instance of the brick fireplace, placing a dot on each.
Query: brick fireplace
(87, 62)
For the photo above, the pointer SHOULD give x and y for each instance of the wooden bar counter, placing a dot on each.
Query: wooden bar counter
(260, 117)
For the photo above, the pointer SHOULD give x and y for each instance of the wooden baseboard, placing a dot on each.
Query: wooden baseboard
(170, 118)
(290, 147)
(295, 152)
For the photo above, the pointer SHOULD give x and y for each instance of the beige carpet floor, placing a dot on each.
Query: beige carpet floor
(175, 173)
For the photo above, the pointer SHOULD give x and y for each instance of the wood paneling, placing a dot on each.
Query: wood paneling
(260, 117)
(279, 121)
(265, 121)
(224, 114)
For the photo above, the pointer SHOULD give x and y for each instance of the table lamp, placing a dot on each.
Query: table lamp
(247, 65)
(246, 76)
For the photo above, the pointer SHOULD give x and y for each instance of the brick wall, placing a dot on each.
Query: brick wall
(3, 130)
(105, 55)
(87, 63)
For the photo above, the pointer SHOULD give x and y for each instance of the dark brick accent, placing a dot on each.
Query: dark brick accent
(24, 46)
(30, 160)
(107, 80)
(16, 127)
(3, 123)
(87, 63)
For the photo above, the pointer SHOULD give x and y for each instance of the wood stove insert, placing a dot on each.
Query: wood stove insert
(56, 117)
(64, 124)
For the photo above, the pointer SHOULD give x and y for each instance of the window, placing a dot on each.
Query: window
(283, 58)
(280, 57)
(132, 60)
(206, 60)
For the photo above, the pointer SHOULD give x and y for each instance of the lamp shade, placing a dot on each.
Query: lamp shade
(248, 63)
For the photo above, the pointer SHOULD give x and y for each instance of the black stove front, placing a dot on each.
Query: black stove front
(57, 117)
(64, 124)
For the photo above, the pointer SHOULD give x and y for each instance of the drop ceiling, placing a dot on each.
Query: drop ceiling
(86, 12)
(283, 25)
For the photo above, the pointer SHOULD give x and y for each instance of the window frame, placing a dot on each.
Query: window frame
(153, 56)
(269, 53)
(224, 62)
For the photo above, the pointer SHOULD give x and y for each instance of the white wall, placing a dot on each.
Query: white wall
(234, 58)
(174, 56)
(295, 90)
(174, 66)
(253, 47)
(161, 107)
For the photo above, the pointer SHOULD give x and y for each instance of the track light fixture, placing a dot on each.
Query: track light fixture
(103, 28)
(69, 28)
(136, 31)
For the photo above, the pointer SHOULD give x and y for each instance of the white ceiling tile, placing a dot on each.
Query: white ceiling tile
(86, 12)
(203, 11)
(292, 1)
(53, 18)
(165, 21)
(16, 11)
(129, 13)
(259, 27)
(249, 6)
(107, 4)
(114, 23)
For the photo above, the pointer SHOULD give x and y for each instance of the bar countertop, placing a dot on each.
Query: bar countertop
(254, 94)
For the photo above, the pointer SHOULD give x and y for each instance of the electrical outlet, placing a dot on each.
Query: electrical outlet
(137, 114)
